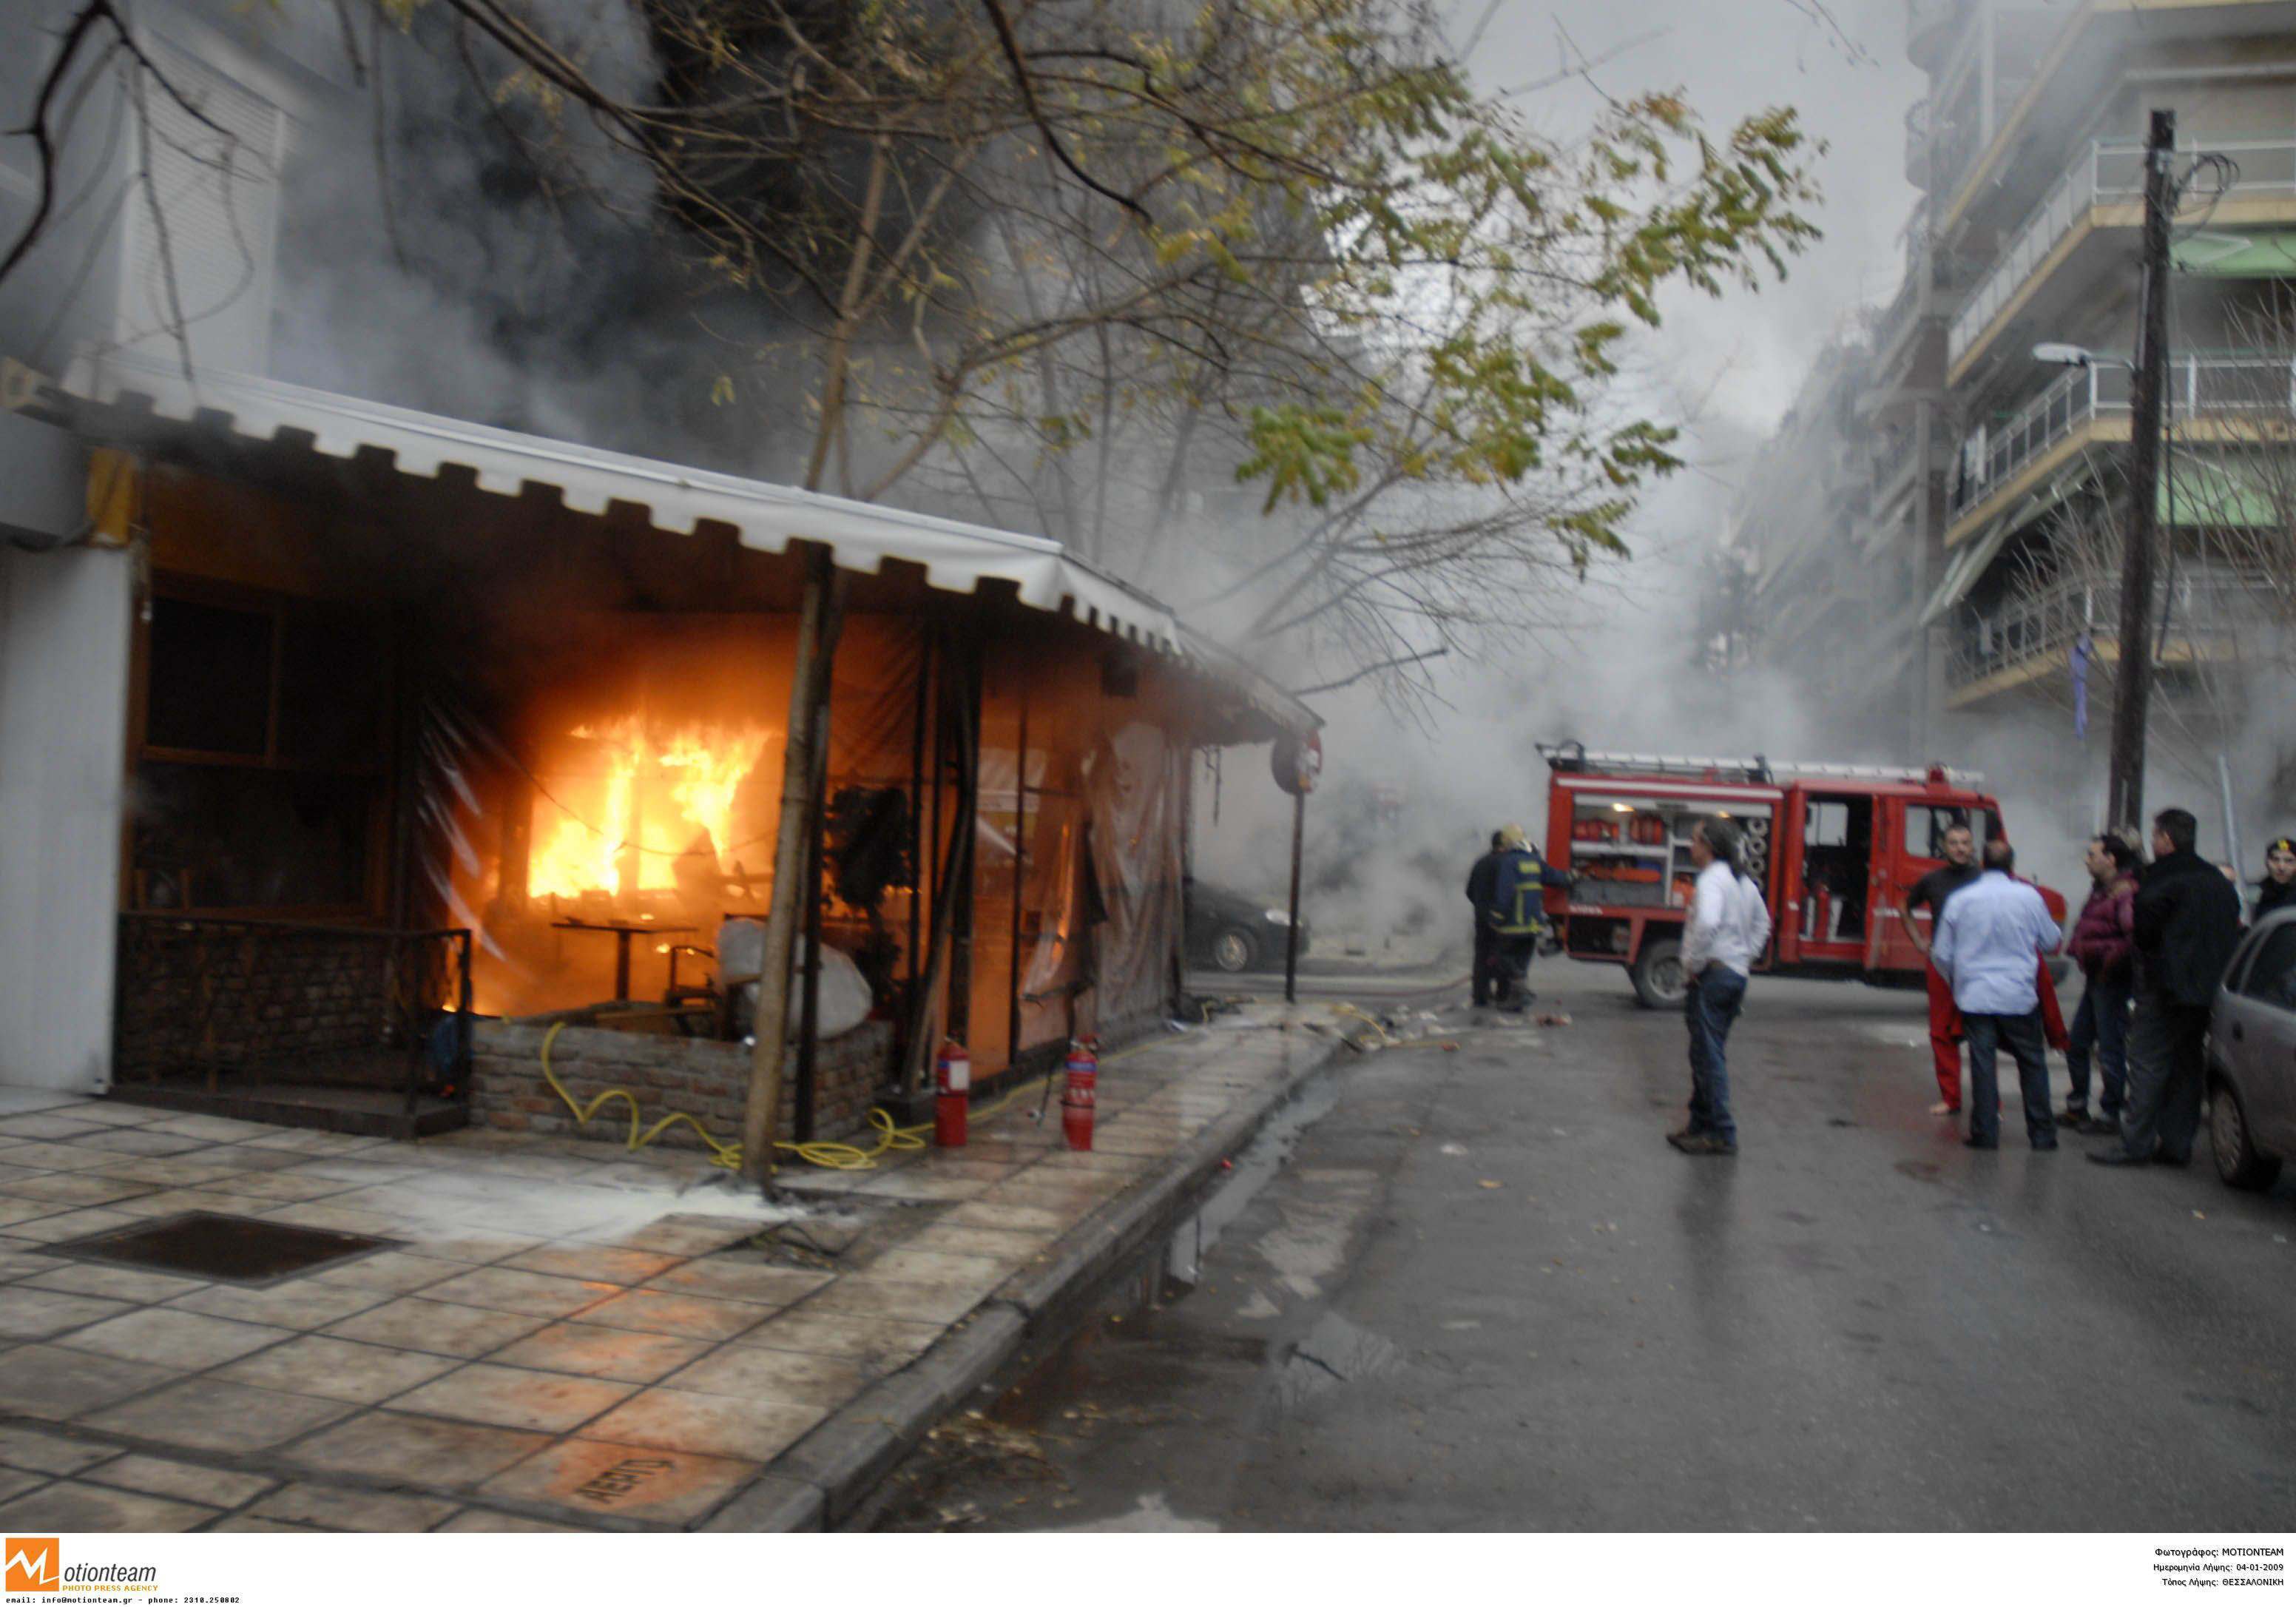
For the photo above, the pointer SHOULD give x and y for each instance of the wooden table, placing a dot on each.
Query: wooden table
(623, 931)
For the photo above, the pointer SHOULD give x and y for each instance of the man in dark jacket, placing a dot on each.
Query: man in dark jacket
(2186, 919)
(1482, 878)
(1511, 910)
(2101, 947)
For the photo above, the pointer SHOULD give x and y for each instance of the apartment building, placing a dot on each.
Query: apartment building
(1826, 529)
(1995, 501)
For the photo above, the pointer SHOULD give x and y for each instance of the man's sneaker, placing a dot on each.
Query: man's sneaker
(1684, 1137)
(1707, 1143)
(2100, 1127)
(2073, 1116)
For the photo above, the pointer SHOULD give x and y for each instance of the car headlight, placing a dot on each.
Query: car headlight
(1281, 917)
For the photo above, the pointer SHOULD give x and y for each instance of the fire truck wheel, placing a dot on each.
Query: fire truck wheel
(1657, 975)
(1233, 950)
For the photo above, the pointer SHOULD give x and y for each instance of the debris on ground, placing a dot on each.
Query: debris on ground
(1553, 1018)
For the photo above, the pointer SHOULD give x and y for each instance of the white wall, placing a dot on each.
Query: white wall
(63, 700)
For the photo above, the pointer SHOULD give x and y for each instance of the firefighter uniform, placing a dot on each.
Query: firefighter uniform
(1510, 916)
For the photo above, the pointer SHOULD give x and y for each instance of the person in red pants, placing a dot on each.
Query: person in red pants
(1931, 893)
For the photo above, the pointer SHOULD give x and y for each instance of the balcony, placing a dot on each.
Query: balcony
(2089, 405)
(1930, 28)
(1904, 472)
(2025, 637)
(2104, 187)
(1917, 145)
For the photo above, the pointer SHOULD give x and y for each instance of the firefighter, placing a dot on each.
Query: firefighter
(1481, 878)
(1510, 910)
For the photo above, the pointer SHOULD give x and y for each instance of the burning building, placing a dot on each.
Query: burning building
(422, 726)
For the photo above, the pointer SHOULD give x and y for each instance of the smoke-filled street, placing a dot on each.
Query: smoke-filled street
(1481, 1292)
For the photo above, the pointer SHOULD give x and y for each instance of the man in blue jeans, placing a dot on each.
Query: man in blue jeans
(1728, 927)
(1987, 945)
(2101, 945)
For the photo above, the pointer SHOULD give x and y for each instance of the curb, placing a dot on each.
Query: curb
(824, 1477)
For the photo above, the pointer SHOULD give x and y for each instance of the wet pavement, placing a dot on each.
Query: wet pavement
(1478, 1290)
(552, 1332)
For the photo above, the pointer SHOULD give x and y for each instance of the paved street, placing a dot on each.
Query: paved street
(1485, 1293)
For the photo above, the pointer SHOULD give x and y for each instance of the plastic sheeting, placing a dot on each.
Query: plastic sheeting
(1098, 824)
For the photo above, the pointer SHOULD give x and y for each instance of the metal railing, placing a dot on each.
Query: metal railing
(2201, 608)
(2107, 172)
(2199, 385)
(211, 996)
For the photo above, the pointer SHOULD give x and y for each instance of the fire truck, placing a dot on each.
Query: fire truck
(1835, 848)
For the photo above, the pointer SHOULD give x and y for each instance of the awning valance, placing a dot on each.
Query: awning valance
(2216, 492)
(955, 556)
(2237, 254)
(1971, 559)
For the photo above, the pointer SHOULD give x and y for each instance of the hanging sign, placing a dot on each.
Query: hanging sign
(1297, 762)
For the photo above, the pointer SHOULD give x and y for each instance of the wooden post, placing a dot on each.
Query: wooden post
(956, 742)
(1291, 932)
(819, 621)
(809, 1004)
(1019, 885)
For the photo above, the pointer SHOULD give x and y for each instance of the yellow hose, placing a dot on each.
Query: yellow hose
(833, 1156)
(1386, 1040)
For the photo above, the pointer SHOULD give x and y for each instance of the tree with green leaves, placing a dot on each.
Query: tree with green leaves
(1261, 302)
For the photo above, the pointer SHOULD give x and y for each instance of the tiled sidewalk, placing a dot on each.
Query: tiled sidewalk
(563, 1335)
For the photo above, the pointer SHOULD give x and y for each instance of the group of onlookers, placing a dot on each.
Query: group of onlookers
(2151, 941)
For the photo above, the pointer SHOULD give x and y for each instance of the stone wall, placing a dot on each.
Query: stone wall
(263, 997)
(706, 1079)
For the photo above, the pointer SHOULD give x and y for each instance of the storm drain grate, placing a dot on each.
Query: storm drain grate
(229, 1249)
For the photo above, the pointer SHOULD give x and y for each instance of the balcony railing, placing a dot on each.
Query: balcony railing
(2107, 172)
(2198, 385)
(2203, 609)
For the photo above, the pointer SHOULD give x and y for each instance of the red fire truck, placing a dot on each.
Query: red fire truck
(1835, 848)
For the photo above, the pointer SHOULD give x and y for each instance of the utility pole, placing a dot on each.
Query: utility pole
(2133, 683)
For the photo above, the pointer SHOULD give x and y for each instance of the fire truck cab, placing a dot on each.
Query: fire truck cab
(1835, 848)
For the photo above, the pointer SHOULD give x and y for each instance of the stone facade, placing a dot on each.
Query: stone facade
(702, 1078)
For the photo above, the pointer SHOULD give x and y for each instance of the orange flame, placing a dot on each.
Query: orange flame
(653, 798)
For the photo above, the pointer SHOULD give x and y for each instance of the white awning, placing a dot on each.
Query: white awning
(955, 556)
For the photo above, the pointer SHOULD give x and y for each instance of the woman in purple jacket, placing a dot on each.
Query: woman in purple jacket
(2101, 947)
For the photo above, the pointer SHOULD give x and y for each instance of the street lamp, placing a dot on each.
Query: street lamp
(2065, 356)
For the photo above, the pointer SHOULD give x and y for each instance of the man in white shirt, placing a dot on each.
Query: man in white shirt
(1730, 926)
(1985, 945)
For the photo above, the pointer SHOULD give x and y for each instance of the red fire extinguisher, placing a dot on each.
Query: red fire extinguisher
(1076, 1097)
(953, 1080)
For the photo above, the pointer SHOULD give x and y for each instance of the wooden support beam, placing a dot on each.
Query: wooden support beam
(819, 622)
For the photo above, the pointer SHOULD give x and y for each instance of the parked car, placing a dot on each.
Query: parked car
(2252, 1057)
(1231, 931)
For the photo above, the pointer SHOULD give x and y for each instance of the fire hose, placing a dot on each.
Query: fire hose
(825, 1153)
